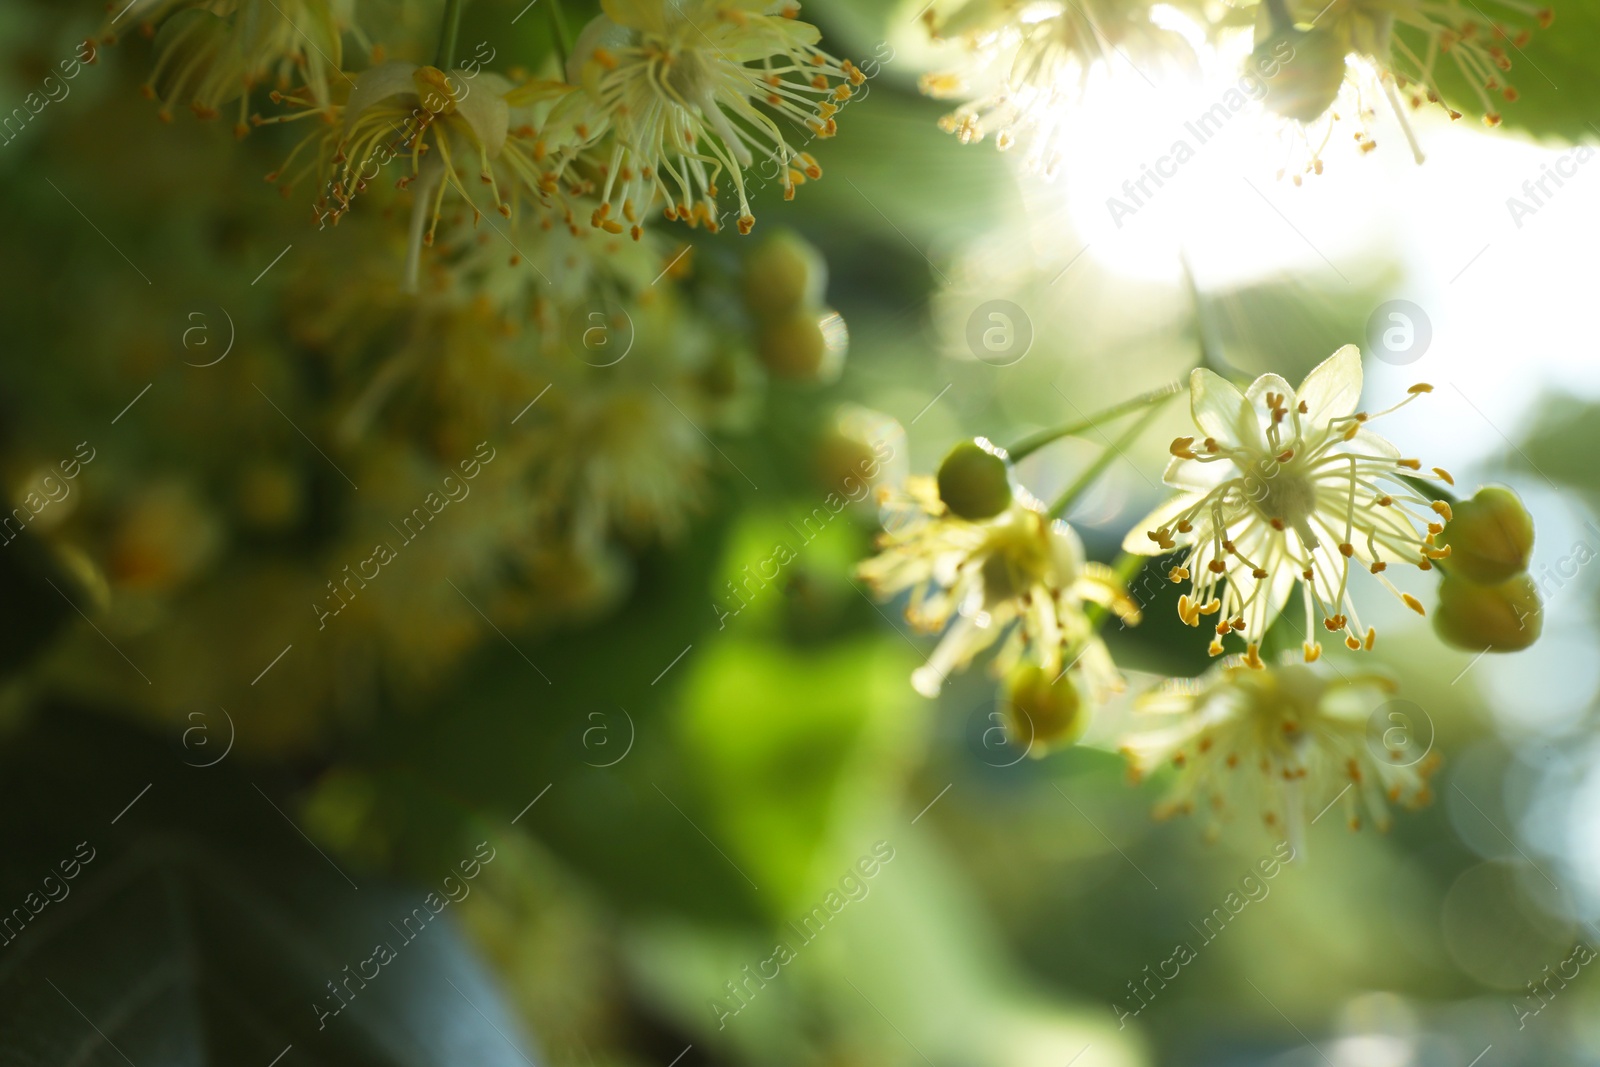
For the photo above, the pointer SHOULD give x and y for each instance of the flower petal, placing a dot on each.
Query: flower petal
(1066, 554)
(1333, 388)
(1137, 541)
(1220, 410)
(763, 36)
(486, 112)
(379, 84)
(1193, 476)
(1256, 397)
(647, 16)
(601, 32)
(1373, 444)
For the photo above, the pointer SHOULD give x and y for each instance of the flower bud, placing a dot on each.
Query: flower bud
(1303, 70)
(859, 446)
(841, 460)
(805, 346)
(783, 276)
(975, 480)
(723, 375)
(1502, 618)
(1043, 709)
(1490, 537)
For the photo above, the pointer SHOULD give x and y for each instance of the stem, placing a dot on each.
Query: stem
(1033, 442)
(1210, 350)
(558, 24)
(449, 31)
(1400, 116)
(1095, 469)
(422, 192)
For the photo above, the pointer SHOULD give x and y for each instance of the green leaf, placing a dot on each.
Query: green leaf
(509, 733)
(199, 926)
(784, 741)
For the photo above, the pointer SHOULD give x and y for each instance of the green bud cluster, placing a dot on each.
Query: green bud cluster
(1043, 711)
(797, 337)
(1487, 600)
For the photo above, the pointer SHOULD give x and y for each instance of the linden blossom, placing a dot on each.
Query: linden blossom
(1287, 742)
(384, 553)
(1024, 68)
(677, 87)
(1290, 488)
(331, 204)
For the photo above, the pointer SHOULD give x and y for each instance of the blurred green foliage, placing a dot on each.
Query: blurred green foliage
(668, 785)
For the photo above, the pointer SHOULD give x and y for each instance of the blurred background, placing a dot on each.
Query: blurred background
(723, 828)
